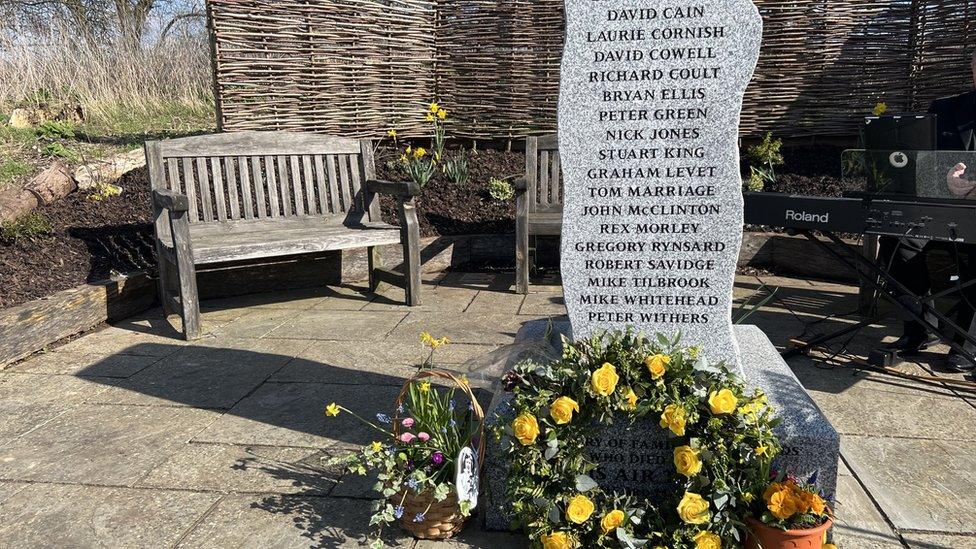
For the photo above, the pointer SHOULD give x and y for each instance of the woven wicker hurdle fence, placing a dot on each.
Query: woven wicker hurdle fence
(361, 67)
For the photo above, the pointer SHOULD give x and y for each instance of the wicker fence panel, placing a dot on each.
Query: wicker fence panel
(359, 67)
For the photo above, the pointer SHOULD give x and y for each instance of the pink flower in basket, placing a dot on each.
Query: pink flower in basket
(407, 438)
(407, 422)
(424, 437)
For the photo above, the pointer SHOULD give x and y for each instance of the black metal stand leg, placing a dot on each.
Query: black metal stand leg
(881, 280)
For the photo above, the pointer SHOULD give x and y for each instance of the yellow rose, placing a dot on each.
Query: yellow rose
(526, 428)
(674, 418)
(604, 380)
(722, 402)
(693, 509)
(686, 461)
(612, 520)
(631, 400)
(707, 540)
(562, 410)
(579, 509)
(782, 504)
(657, 365)
(556, 540)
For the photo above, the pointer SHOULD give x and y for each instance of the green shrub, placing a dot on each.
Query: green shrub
(60, 151)
(764, 157)
(32, 225)
(456, 169)
(500, 190)
(54, 129)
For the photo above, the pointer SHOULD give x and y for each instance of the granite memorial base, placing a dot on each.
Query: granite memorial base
(638, 458)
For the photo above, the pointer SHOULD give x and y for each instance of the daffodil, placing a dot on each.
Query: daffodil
(429, 117)
(376, 446)
(880, 109)
(442, 114)
(391, 133)
(332, 410)
(434, 108)
(419, 152)
(425, 387)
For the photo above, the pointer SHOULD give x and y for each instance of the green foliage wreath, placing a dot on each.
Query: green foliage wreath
(722, 437)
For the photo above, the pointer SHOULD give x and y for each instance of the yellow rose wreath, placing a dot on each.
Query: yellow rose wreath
(722, 437)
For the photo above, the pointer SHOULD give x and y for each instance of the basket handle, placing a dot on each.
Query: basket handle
(479, 413)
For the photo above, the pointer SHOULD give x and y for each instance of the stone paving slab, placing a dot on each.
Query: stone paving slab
(110, 445)
(433, 298)
(466, 328)
(861, 410)
(53, 515)
(543, 304)
(327, 325)
(919, 484)
(940, 541)
(284, 522)
(244, 469)
(496, 303)
(203, 376)
(292, 414)
(114, 340)
(858, 523)
(80, 364)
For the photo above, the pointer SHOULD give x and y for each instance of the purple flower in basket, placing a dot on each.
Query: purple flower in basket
(424, 437)
(409, 466)
(407, 438)
(407, 422)
(419, 518)
(401, 408)
(383, 418)
(437, 458)
(398, 512)
(451, 405)
(412, 483)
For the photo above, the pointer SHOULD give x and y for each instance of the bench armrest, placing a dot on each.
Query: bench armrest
(170, 200)
(406, 189)
(520, 185)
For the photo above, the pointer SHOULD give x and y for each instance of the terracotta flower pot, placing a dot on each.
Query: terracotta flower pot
(762, 536)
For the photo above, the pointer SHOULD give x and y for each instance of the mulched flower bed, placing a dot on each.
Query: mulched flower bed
(91, 240)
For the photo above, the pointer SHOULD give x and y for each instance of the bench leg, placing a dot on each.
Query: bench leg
(375, 261)
(189, 299)
(522, 259)
(410, 238)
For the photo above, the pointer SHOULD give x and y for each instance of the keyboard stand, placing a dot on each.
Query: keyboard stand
(919, 308)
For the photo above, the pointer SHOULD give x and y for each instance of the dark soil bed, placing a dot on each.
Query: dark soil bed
(92, 240)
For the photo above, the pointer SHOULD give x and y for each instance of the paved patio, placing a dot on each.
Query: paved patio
(130, 437)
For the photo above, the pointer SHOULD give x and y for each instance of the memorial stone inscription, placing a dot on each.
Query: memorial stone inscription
(650, 97)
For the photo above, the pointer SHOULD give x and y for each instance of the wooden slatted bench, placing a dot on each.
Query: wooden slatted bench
(539, 203)
(253, 195)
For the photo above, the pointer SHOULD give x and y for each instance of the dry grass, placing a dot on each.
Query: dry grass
(105, 80)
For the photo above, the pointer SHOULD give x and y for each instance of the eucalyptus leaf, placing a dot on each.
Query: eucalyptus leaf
(554, 516)
(584, 483)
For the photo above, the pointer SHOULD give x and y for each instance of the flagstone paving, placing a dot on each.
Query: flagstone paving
(131, 437)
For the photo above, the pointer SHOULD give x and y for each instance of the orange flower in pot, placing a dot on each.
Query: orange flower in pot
(793, 516)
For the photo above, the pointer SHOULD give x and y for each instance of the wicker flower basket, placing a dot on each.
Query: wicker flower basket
(442, 519)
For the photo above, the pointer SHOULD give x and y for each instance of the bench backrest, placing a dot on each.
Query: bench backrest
(543, 174)
(264, 175)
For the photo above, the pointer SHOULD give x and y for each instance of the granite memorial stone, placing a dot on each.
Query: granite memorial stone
(649, 104)
(650, 98)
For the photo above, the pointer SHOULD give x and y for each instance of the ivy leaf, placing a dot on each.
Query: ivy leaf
(584, 483)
